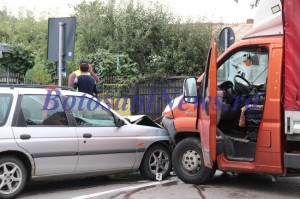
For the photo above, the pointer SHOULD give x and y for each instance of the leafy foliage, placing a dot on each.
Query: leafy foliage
(130, 39)
(26, 36)
(108, 64)
(19, 60)
(38, 75)
(24, 30)
(151, 36)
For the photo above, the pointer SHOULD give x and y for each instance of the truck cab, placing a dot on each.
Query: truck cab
(232, 118)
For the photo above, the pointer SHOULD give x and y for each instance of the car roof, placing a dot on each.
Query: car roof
(36, 89)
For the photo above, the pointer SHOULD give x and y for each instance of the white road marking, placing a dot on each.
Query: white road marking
(125, 189)
(143, 181)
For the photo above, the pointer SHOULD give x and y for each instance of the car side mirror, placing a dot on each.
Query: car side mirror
(190, 91)
(120, 122)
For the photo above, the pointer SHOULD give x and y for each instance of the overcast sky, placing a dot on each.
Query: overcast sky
(214, 10)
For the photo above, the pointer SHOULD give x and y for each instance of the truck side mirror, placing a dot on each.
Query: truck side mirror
(190, 93)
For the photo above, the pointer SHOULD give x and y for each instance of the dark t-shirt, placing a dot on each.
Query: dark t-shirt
(85, 83)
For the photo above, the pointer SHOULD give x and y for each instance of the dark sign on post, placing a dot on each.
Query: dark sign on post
(69, 26)
(226, 38)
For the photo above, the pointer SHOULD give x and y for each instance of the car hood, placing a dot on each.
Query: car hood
(142, 120)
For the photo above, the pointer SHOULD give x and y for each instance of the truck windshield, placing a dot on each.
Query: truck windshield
(250, 63)
(5, 103)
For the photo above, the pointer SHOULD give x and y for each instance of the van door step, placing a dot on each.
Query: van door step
(292, 160)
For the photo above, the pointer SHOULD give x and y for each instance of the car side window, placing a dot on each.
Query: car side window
(5, 103)
(37, 111)
(88, 112)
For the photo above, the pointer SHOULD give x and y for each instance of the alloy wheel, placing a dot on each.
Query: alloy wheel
(10, 177)
(159, 162)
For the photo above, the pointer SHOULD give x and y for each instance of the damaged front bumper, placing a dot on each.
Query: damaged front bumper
(168, 124)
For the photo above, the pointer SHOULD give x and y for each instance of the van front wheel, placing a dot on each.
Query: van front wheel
(188, 162)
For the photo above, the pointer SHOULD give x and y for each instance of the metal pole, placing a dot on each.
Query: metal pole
(60, 51)
(226, 37)
(7, 77)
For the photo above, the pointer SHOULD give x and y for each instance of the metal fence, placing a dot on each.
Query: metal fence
(14, 78)
(149, 96)
(11, 78)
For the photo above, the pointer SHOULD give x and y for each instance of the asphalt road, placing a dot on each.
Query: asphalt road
(223, 186)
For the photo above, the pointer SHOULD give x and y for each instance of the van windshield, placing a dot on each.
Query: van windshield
(5, 103)
(250, 63)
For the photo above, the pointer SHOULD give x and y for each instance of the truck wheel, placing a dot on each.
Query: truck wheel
(13, 176)
(188, 162)
(157, 159)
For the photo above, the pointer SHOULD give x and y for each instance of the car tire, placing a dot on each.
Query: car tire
(13, 176)
(157, 158)
(188, 162)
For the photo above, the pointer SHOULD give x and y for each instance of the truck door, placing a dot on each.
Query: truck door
(208, 109)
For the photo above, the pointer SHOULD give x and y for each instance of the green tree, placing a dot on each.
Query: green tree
(27, 36)
(38, 74)
(109, 64)
(24, 29)
(19, 60)
(145, 37)
(150, 35)
(92, 28)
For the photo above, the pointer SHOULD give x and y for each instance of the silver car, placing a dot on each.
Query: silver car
(49, 132)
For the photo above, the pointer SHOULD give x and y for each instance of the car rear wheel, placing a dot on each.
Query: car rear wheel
(13, 176)
(157, 159)
(188, 162)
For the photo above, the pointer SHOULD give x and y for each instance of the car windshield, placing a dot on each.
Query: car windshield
(5, 103)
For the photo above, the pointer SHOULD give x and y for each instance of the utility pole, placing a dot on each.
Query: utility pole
(60, 51)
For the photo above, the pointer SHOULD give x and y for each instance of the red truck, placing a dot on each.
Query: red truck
(243, 113)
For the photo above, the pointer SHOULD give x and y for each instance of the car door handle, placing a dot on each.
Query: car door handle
(87, 135)
(25, 136)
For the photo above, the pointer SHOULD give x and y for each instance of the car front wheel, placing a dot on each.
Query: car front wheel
(157, 159)
(188, 162)
(13, 177)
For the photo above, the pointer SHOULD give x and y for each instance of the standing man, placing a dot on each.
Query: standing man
(85, 82)
(78, 72)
